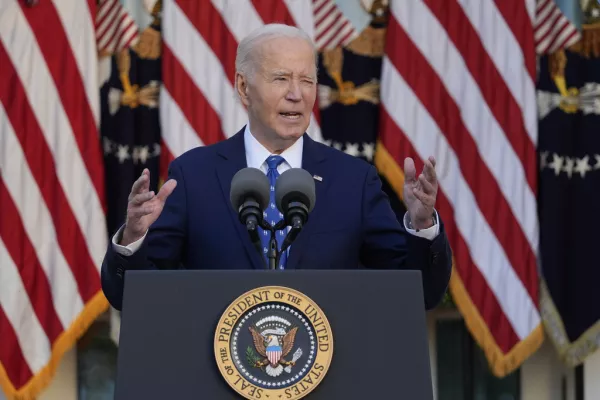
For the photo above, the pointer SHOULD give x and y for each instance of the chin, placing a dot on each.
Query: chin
(290, 134)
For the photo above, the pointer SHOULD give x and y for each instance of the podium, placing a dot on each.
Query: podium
(173, 323)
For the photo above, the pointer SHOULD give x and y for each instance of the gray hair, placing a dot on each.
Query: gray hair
(243, 59)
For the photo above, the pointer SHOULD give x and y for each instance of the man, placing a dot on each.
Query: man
(191, 222)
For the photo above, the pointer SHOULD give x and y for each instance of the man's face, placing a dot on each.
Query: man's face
(282, 91)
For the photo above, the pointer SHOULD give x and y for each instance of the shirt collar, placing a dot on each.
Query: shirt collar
(257, 154)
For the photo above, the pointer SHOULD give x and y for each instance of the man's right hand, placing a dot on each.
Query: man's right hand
(144, 207)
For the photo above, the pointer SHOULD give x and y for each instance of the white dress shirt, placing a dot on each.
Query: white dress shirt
(256, 157)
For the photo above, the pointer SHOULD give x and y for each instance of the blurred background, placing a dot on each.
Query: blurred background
(505, 94)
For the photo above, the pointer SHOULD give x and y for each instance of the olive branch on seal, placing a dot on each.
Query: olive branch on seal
(251, 356)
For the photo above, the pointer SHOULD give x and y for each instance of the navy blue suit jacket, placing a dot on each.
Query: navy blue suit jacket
(351, 226)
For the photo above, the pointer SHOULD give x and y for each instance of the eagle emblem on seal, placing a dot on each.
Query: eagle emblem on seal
(273, 345)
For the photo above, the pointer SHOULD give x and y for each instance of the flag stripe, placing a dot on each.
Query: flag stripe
(71, 91)
(107, 25)
(273, 11)
(446, 113)
(210, 25)
(487, 124)
(504, 55)
(166, 154)
(55, 221)
(105, 15)
(122, 38)
(241, 18)
(492, 313)
(468, 64)
(53, 237)
(200, 115)
(562, 29)
(30, 272)
(115, 29)
(518, 16)
(32, 69)
(551, 24)
(108, 42)
(76, 18)
(547, 21)
(552, 30)
(19, 312)
(302, 15)
(208, 74)
(422, 131)
(187, 137)
(12, 361)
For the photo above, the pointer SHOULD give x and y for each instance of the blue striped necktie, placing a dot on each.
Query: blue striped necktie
(272, 214)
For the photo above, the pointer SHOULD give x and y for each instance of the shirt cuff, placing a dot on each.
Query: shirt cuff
(428, 233)
(130, 248)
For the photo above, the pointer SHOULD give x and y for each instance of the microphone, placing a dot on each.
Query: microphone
(295, 197)
(249, 195)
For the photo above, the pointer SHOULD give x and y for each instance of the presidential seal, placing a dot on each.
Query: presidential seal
(273, 342)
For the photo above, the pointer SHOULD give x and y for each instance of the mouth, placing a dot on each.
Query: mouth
(292, 116)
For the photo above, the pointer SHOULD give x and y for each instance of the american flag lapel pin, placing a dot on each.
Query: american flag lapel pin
(318, 178)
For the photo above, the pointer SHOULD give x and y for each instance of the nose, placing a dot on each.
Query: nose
(294, 94)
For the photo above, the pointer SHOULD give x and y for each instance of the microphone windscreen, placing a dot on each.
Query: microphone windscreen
(250, 182)
(295, 184)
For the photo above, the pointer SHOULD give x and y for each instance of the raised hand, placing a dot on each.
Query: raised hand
(420, 193)
(144, 207)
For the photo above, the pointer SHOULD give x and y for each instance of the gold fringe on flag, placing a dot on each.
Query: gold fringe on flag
(40, 381)
(500, 364)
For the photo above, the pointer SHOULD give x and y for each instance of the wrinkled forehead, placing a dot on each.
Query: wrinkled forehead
(286, 55)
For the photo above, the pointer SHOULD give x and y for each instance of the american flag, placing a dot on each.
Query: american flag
(458, 83)
(115, 29)
(553, 30)
(52, 223)
(198, 104)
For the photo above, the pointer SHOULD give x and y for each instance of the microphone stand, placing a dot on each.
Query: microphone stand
(297, 216)
(273, 253)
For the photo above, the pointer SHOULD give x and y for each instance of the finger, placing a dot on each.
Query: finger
(138, 184)
(423, 197)
(141, 198)
(429, 171)
(166, 190)
(146, 184)
(409, 169)
(432, 160)
(139, 212)
(426, 186)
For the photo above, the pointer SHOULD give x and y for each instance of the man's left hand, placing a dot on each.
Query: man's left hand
(420, 193)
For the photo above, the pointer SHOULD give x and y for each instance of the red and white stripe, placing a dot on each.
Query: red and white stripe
(552, 29)
(332, 28)
(52, 229)
(198, 103)
(274, 356)
(458, 84)
(115, 29)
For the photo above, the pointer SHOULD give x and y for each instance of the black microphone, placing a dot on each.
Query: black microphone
(295, 197)
(249, 196)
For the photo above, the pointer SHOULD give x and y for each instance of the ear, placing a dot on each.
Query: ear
(241, 86)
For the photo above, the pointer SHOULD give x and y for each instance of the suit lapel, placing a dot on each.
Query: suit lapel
(233, 159)
(313, 162)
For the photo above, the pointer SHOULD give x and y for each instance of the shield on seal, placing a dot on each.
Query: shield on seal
(274, 354)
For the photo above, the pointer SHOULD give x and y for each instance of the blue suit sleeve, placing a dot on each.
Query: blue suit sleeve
(162, 248)
(387, 245)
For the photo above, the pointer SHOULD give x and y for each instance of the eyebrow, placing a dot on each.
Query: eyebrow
(284, 73)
